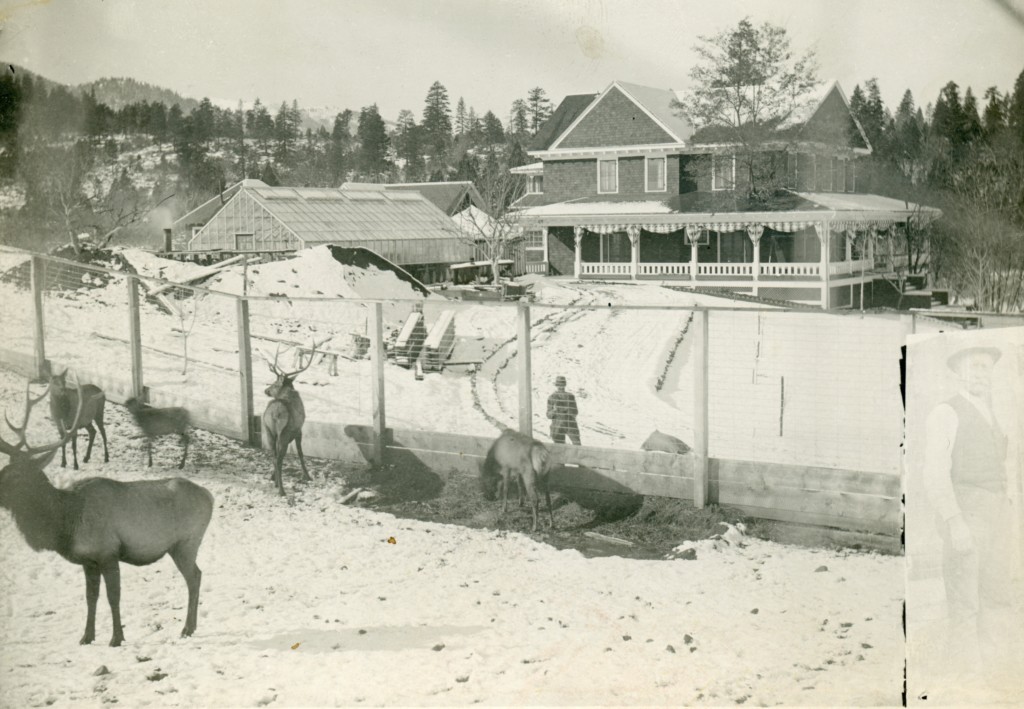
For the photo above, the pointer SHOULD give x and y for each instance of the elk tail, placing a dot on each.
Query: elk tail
(539, 457)
(490, 471)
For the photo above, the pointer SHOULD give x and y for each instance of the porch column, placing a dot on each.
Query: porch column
(544, 236)
(754, 231)
(578, 234)
(849, 244)
(693, 236)
(633, 232)
(872, 236)
(822, 228)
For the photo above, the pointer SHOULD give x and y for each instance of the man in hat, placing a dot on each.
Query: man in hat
(966, 482)
(562, 412)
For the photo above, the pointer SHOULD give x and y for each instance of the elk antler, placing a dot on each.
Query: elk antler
(312, 355)
(23, 449)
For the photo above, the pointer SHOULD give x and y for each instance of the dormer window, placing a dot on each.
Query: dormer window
(655, 172)
(607, 176)
(536, 184)
(723, 172)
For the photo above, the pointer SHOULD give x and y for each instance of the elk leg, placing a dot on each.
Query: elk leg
(103, 435)
(184, 440)
(63, 455)
(112, 580)
(531, 492)
(504, 490)
(185, 560)
(74, 447)
(92, 593)
(278, 462)
(91, 430)
(302, 458)
(519, 489)
(149, 450)
(547, 494)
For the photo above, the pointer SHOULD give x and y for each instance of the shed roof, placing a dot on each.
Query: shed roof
(446, 196)
(329, 215)
(205, 211)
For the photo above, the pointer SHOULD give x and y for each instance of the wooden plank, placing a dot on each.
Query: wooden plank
(22, 364)
(627, 461)
(38, 276)
(832, 509)
(699, 332)
(245, 380)
(433, 441)
(523, 367)
(376, 326)
(197, 275)
(767, 476)
(135, 337)
(626, 482)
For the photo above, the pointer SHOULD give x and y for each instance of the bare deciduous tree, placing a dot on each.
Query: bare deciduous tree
(493, 231)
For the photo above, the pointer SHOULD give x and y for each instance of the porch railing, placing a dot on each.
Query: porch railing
(725, 269)
(606, 269)
(664, 269)
(791, 269)
(536, 267)
(841, 268)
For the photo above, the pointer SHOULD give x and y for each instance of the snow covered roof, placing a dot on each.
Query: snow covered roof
(328, 215)
(471, 220)
(843, 203)
(658, 103)
(449, 197)
(599, 208)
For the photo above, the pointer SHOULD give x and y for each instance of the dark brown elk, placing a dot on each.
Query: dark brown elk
(64, 402)
(160, 422)
(98, 522)
(284, 416)
(515, 454)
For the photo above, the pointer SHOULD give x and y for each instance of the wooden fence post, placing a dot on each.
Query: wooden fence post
(39, 333)
(525, 377)
(379, 420)
(245, 373)
(135, 338)
(700, 408)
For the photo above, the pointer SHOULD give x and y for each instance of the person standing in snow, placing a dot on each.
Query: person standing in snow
(562, 412)
(965, 479)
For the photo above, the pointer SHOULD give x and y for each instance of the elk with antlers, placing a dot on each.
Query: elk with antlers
(64, 401)
(99, 522)
(284, 416)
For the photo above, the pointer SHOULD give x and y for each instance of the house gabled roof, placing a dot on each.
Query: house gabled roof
(449, 197)
(565, 115)
(655, 103)
(205, 211)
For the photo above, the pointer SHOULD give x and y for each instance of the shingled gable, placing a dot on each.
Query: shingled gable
(567, 112)
(625, 114)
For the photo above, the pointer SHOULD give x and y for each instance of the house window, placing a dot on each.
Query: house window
(533, 246)
(536, 184)
(851, 176)
(723, 172)
(245, 242)
(655, 174)
(834, 177)
(840, 180)
(607, 176)
(792, 171)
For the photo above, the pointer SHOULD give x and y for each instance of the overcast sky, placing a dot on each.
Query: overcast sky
(350, 53)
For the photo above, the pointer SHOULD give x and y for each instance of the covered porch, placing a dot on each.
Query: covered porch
(821, 256)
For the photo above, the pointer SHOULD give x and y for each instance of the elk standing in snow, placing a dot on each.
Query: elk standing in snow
(515, 454)
(283, 418)
(160, 422)
(64, 402)
(99, 522)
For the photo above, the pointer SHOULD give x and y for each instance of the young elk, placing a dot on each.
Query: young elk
(64, 402)
(98, 522)
(159, 422)
(283, 418)
(516, 454)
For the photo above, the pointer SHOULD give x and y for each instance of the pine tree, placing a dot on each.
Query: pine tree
(971, 127)
(538, 108)
(1015, 110)
(994, 119)
(460, 117)
(408, 145)
(492, 130)
(947, 118)
(338, 161)
(437, 120)
(373, 144)
(518, 119)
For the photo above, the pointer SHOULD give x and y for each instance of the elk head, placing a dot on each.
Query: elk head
(21, 452)
(283, 383)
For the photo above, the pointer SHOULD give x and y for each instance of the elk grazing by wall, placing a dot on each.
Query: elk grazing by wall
(284, 416)
(64, 402)
(515, 454)
(98, 522)
(153, 422)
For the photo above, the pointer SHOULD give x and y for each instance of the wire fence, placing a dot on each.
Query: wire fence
(801, 388)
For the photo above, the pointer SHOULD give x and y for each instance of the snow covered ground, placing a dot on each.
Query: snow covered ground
(310, 605)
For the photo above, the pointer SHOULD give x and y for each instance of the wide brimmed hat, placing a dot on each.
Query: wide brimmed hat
(559, 381)
(957, 357)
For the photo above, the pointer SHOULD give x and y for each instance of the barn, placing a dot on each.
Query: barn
(402, 227)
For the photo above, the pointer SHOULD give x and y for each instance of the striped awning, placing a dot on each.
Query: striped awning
(860, 225)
